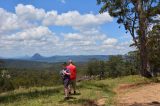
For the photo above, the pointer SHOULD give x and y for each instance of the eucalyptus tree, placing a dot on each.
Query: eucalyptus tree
(137, 17)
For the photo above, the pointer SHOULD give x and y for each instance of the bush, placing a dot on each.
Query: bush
(116, 66)
(5, 83)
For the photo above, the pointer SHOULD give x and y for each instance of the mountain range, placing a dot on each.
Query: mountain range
(52, 59)
(76, 58)
(37, 61)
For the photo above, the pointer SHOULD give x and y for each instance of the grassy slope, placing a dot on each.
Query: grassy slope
(89, 91)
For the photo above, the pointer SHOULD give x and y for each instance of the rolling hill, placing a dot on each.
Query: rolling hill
(25, 64)
(38, 61)
(75, 58)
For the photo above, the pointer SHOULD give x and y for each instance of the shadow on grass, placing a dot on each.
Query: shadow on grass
(28, 95)
(91, 102)
(64, 101)
(100, 87)
(72, 94)
(78, 93)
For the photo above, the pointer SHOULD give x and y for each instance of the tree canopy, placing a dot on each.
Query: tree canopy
(154, 46)
(137, 17)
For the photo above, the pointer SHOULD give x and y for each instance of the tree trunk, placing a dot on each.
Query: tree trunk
(143, 54)
(142, 40)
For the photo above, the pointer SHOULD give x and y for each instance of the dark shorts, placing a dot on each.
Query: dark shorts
(66, 83)
(73, 84)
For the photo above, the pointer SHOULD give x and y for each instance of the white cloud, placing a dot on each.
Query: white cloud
(29, 12)
(8, 21)
(38, 33)
(126, 43)
(110, 41)
(33, 39)
(11, 22)
(73, 36)
(27, 16)
(75, 19)
(28, 31)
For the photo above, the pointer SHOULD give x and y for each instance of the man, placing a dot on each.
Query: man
(65, 73)
(73, 72)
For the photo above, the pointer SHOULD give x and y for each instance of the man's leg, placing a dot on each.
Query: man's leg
(69, 87)
(74, 86)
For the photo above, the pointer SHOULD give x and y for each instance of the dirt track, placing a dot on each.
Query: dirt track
(146, 95)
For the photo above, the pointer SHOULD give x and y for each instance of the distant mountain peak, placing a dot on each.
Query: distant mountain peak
(37, 56)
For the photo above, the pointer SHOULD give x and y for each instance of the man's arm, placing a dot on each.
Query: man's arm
(67, 72)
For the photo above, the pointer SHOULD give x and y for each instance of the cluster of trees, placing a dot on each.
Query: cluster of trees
(153, 45)
(29, 78)
(137, 16)
(13, 78)
(116, 66)
(17, 77)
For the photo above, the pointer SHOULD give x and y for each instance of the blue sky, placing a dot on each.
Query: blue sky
(59, 27)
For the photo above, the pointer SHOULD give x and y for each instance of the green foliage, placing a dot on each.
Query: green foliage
(127, 12)
(5, 83)
(136, 16)
(29, 78)
(120, 66)
(153, 45)
(39, 74)
(134, 61)
(95, 67)
(116, 66)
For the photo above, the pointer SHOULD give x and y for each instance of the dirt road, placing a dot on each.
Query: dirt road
(144, 95)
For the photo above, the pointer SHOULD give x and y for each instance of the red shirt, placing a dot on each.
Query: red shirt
(72, 69)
